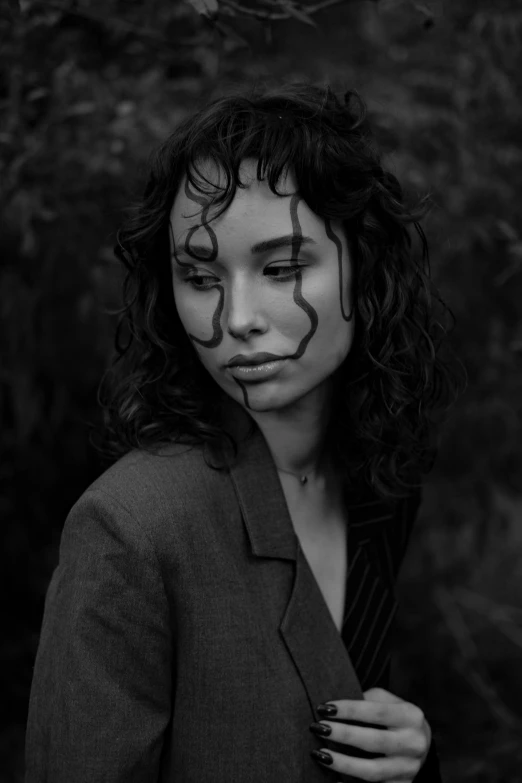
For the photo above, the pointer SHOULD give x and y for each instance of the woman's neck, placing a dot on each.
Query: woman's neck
(297, 435)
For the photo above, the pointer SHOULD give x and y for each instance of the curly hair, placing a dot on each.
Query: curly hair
(393, 383)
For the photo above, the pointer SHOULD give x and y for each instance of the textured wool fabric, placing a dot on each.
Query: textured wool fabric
(185, 638)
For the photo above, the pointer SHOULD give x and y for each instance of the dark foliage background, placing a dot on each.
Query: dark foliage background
(86, 89)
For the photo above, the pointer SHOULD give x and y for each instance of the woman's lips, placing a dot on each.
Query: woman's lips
(258, 372)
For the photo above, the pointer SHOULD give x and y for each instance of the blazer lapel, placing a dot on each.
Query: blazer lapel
(370, 605)
(331, 665)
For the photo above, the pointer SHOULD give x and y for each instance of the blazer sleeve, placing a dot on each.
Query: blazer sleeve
(101, 690)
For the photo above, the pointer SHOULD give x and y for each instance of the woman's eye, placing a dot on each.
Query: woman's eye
(288, 273)
(198, 286)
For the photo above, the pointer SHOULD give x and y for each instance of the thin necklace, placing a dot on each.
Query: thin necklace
(303, 479)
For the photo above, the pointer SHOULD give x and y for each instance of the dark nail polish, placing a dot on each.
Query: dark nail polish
(327, 710)
(321, 729)
(324, 758)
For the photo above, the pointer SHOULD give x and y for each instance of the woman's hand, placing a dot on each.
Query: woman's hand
(404, 739)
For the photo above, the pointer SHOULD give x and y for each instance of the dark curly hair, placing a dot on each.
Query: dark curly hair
(393, 382)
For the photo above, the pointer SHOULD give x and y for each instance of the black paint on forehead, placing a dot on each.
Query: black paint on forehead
(206, 206)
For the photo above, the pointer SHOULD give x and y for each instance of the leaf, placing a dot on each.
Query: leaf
(298, 14)
(14, 7)
(422, 8)
(37, 93)
(204, 7)
(431, 9)
(507, 230)
(81, 109)
(231, 34)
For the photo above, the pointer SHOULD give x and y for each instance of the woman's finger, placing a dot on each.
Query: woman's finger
(374, 740)
(401, 713)
(386, 768)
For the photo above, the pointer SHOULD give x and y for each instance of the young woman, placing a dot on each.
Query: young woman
(272, 414)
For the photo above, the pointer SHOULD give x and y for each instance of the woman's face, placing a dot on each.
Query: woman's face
(239, 299)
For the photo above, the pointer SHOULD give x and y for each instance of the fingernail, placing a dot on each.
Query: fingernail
(321, 728)
(324, 758)
(327, 710)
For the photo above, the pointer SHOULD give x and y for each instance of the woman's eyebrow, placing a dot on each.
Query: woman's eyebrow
(260, 247)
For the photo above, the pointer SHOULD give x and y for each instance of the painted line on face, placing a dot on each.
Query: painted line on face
(217, 336)
(331, 235)
(301, 302)
(297, 295)
(206, 204)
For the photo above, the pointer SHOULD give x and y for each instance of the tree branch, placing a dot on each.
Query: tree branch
(140, 32)
(267, 16)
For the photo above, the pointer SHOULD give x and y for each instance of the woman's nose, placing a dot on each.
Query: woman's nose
(242, 310)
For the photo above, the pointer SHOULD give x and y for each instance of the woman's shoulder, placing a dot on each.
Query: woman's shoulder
(152, 483)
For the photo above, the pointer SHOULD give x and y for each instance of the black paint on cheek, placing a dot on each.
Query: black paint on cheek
(217, 336)
(245, 395)
(330, 234)
(298, 298)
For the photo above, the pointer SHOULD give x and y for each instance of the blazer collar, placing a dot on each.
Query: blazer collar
(262, 499)
(259, 489)
(321, 655)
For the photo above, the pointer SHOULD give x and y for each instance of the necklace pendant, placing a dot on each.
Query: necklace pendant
(303, 479)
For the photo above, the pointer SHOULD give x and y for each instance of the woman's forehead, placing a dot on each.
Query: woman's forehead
(211, 170)
(254, 206)
(190, 202)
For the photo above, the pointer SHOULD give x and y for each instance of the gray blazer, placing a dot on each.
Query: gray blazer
(185, 638)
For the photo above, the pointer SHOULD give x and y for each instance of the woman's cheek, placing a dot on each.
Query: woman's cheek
(193, 317)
